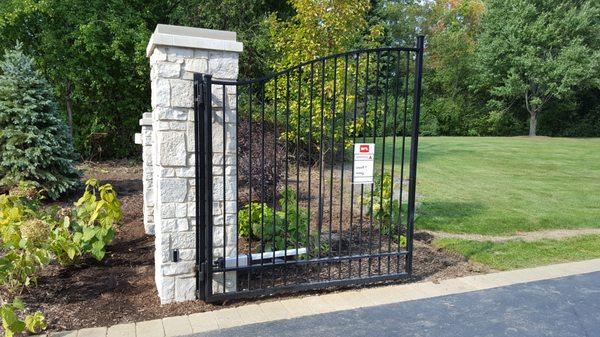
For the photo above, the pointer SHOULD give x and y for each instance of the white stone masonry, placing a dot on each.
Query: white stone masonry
(176, 53)
(146, 141)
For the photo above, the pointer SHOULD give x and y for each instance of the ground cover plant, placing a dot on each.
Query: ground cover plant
(32, 235)
(275, 229)
(383, 204)
(384, 208)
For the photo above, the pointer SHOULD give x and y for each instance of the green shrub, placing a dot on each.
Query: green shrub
(250, 214)
(35, 145)
(31, 235)
(279, 227)
(9, 312)
(386, 210)
(95, 214)
(90, 226)
(23, 250)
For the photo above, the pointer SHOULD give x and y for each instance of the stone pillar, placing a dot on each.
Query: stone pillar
(176, 53)
(146, 142)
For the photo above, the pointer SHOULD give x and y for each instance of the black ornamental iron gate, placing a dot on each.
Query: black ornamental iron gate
(318, 194)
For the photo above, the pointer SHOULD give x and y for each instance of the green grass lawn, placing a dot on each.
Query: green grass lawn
(502, 185)
(520, 254)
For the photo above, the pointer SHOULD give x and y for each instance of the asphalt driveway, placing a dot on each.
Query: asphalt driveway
(568, 306)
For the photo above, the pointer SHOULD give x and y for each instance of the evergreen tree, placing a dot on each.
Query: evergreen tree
(34, 143)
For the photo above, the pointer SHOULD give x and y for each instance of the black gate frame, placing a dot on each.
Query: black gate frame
(204, 180)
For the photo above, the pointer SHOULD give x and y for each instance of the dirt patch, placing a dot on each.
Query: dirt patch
(556, 234)
(434, 264)
(121, 288)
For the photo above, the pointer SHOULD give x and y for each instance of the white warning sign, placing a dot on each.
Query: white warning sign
(364, 156)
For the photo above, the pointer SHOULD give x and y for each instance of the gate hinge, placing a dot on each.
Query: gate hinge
(201, 93)
(201, 270)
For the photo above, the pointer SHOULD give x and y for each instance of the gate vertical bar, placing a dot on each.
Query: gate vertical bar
(414, 145)
(200, 162)
(208, 186)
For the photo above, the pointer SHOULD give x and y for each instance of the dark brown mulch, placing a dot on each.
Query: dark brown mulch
(121, 288)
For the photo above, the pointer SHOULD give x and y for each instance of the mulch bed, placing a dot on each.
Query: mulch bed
(121, 288)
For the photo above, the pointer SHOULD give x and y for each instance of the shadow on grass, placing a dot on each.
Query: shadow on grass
(447, 216)
(450, 210)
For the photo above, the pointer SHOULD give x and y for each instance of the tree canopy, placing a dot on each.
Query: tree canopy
(319, 28)
(92, 52)
(491, 66)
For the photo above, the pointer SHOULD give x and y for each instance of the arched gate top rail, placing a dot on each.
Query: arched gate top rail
(315, 61)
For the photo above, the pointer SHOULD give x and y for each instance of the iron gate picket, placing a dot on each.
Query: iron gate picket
(298, 220)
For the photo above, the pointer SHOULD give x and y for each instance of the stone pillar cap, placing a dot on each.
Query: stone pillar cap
(190, 37)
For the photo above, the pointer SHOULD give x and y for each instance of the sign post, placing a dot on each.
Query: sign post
(364, 157)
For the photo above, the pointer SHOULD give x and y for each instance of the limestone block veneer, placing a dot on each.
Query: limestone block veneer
(176, 53)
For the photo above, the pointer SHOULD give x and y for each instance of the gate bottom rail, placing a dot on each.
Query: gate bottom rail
(218, 266)
(294, 288)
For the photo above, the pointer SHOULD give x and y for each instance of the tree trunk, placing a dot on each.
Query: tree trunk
(69, 104)
(533, 124)
(533, 111)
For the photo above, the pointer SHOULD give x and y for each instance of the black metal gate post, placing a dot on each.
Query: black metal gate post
(200, 162)
(414, 146)
(208, 187)
(203, 170)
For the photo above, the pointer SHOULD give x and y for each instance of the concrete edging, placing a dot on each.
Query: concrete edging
(319, 304)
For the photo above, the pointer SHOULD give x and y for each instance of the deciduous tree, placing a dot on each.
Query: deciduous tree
(534, 51)
(319, 28)
(452, 27)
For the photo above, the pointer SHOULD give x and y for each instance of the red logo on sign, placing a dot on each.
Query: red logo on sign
(364, 148)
